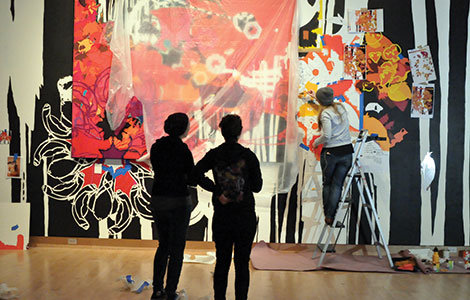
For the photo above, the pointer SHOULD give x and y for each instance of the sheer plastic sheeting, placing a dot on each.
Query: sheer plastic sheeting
(209, 59)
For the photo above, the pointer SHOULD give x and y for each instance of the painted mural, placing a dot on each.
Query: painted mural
(207, 58)
(113, 195)
(92, 136)
(380, 101)
(105, 192)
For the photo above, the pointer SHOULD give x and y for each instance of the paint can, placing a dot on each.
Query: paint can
(450, 265)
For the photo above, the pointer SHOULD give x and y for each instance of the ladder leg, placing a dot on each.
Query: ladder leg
(325, 246)
(377, 222)
(341, 203)
(375, 241)
(331, 228)
(320, 240)
(362, 185)
(387, 251)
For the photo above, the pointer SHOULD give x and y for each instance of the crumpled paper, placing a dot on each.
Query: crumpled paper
(422, 254)
(134, 284)
(428, 170)
(201, 259)
(7, 293)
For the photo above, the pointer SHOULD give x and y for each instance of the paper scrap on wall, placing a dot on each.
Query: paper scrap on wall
(5, 137)
(422, 68)
(13, 166)
(422, 101)
(366, 20)
(428, 170)
(355, 62)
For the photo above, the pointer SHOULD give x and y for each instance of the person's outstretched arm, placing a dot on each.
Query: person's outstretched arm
(198, 176)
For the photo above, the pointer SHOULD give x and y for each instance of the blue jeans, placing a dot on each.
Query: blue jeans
(334, 170)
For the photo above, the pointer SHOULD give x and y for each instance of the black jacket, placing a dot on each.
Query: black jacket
(172, 163)
(237, 175)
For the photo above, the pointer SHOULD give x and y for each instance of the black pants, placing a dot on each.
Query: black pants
(233, 231)
(172, 226)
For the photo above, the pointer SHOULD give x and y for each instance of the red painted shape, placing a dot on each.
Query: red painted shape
(19, 244)
(302, 126)
(402, 105)
(316, 151)
(341, 87)
(335, 43)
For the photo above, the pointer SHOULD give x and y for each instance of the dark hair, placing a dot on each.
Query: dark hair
(176, 124)
(231, 127)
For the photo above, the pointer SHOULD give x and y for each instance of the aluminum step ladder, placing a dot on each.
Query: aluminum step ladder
(355, 175)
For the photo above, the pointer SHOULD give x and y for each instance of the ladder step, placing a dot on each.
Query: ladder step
(331, 248)
(339, 224)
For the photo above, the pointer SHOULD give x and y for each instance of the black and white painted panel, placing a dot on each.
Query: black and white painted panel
(21, 77)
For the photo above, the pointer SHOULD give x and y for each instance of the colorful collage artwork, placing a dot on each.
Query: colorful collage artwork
(5, 136)
(13, 167)
(92, 136)
(355, 62)
(366, 20)
(422, 68)
(378, 67)
(422, 101)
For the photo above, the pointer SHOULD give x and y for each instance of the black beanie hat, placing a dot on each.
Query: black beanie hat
(176, 124)
(325, 96)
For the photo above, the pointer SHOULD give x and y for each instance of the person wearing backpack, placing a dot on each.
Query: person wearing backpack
(237, 176)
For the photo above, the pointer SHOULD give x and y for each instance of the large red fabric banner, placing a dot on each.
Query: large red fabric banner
(138, 61)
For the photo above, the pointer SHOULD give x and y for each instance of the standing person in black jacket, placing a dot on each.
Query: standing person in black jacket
(172, 163)
(237, 175)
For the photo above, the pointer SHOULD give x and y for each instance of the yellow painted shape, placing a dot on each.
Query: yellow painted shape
(375, 56)
(319, 30)
(387, 72)
(309, 110)
(399, 92)
(84, 45)
(311, 86)
(373, 39)
(374, 126)
(391, 53)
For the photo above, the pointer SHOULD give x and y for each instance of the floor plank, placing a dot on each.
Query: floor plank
(68, 272)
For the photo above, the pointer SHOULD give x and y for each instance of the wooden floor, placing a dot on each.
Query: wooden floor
(78, 272)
